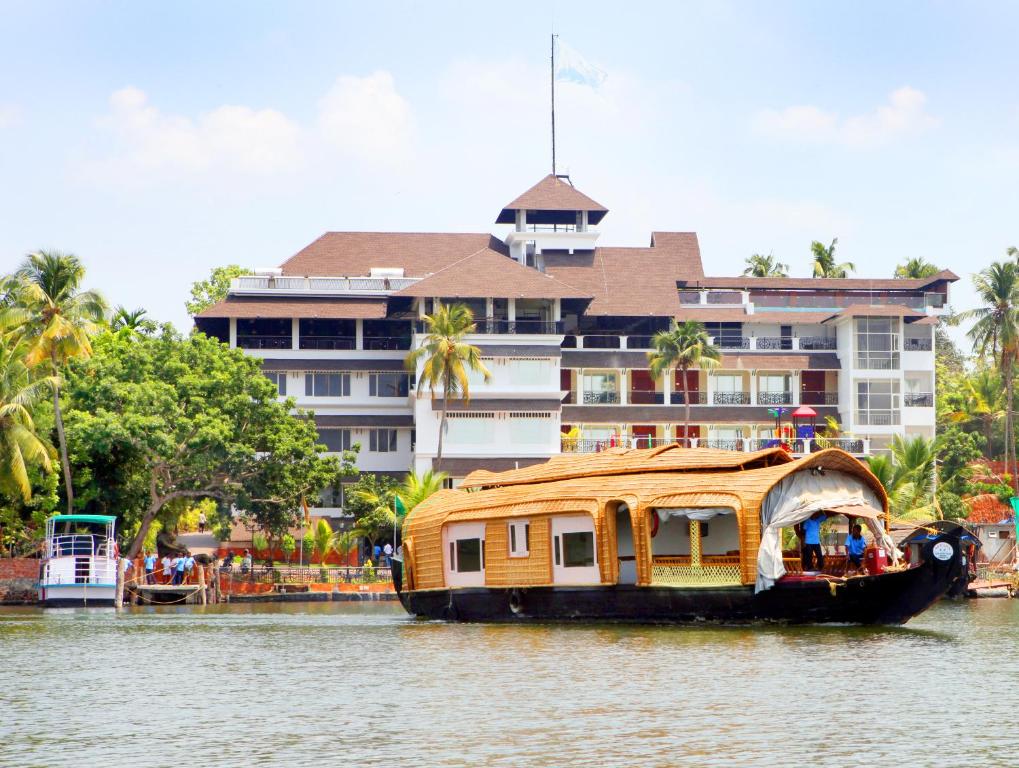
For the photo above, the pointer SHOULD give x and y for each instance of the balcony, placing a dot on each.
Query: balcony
(500, 326)
(916, 345)
(731, 342)
(731, 398)
(813, 397)
(264, 342)
(326, 342)
(601, 398)
(774, 398)
(918, 399)
(797, 446)
(695, 398)
(318, 286)
(387, 343)
(646, 397)
(816, 343)
(754, 344)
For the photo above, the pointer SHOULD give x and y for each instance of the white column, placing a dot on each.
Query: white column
(359, 334)
(233, 333)
(753, 387)
(557, 310)
(710, 389)
(667, 387)
(794, 383)
(295, 333)
(624, 387)
(511, 310)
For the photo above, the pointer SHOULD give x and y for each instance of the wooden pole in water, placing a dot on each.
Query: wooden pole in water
(118, 600)
(201, 585)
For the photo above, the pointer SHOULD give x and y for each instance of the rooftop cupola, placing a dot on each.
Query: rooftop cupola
(551, 215)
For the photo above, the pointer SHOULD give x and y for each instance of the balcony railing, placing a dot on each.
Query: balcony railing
(774, 342)
(696, 398)
(918, 400)
(638, 342)
(381, 343)
(757, 343)
(257, 283)
(816, 343)
(265, 342)
(774, 398)
(602, 341)
(795, 446)
(601, 398)
(916, 345)
(731, 342)
(328, 342)
(814, 397)
(646, 397)
(731, 398)
(500, 326)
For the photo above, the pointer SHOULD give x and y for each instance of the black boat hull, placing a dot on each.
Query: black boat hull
(889, 598)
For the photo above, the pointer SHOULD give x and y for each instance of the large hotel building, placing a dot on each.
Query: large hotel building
(564, 326)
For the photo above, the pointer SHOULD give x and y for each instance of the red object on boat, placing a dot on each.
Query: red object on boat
(876, 560)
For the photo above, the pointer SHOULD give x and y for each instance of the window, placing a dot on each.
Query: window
(601, 387)
(578, 549)
(279, 378)
(529, 428)
(326, 384)
(519, 539)
(470, 427)
(388, 384)
(467, 555)
(877, 343)
(877, 403)
(382, 440)
(728, 383)
(334, 440)
(726, 335)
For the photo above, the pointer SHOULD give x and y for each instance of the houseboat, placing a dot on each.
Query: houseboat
(663, 535)
(80, 561)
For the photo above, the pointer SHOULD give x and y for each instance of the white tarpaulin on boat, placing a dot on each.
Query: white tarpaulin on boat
(799, 496)
(694, 513)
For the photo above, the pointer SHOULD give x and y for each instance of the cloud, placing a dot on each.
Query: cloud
(366, 118)
(9, 115)
(903, 115)
(232, 138)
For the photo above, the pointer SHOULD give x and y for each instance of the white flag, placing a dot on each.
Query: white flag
(571, 67)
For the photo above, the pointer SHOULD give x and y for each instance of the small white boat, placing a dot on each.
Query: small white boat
(80, 561)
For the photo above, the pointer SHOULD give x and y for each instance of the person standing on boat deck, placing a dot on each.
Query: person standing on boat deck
(150, 567)
(855, 546)
(812, 542)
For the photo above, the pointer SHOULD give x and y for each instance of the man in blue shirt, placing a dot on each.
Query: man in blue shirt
(855, 546)
(150, 567)
(178, 573)
(812, 543)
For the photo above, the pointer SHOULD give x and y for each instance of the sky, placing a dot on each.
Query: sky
(159, 140)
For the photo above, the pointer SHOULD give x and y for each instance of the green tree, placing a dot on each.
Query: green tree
(133, 321)
(447, 359)
(345, 542)
(982, 404)
(370, 501)
(288, 545)
(824, 261)
(60, 317)
(995, 332)
(915, 269)
(956, 451)
(416, 488)
(21, 445)
(686, 346)
(187, 418)
(206, 293)
(323, 540)
(759, 265)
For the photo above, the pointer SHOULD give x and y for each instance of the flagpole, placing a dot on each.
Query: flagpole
(552, 73)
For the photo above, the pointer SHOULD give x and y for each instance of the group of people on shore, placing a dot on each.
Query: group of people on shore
(175, 570)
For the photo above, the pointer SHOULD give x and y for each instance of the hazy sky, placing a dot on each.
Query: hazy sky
(157, 140)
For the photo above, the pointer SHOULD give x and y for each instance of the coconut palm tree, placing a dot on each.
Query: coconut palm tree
(995, 332)
(759, 265)
(61, 316)
(132, 321)
(323, 540)
(447, 359)
(983, 404)
(20, 445)
(416, 488)
(915, 269)
(824, 261)
(687, 345)
(907, 474)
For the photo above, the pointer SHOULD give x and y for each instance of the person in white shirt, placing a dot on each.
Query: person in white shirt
(388, 552)
(167, 568)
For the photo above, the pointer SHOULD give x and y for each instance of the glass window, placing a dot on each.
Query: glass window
(334, 440)
(877, 403)
(520, 538)
(388, 384)
(469, 556)
(877, 343)
(326, 384)
(382, 440)
(578, 549)
(279, 378)
(728, 383)
(772, 383)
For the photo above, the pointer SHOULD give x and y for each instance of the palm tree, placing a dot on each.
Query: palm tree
(132, 321)
(687, 345)
(416, 488)
(759, 265)
(907, 474)
(344, 542)
(61, 316)
(996, 333)
(824, 261)
(20, 445)
(323, 540)
(915, 269)
(447, 359)
(983, 404)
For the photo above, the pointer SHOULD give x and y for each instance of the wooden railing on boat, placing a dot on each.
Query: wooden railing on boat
(713, 571)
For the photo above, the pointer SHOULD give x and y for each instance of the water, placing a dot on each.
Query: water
(364, 685)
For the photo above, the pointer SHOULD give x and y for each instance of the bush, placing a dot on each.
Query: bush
(323, 575)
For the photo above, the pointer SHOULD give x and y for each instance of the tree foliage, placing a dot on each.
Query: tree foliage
(759, 265)
(915, 269)
(824, 261)
(206, 293)
(684, 347)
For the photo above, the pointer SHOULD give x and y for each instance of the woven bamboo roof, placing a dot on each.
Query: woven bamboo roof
(626, 461)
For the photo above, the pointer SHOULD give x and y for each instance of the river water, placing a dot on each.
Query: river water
(364, 685)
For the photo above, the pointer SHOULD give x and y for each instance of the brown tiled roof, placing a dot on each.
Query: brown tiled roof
(707, 314)
(987, 508)
(632, 282)
(831, 283)
(877, 310)
(350, 254)
(366, 309)
(489, 274)
(553, 194)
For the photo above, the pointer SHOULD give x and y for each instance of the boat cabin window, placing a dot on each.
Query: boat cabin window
(578, 550)
(519, 538)
(464, 547)
(467, 555)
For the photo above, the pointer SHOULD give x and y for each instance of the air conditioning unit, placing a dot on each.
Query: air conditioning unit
(992, 534)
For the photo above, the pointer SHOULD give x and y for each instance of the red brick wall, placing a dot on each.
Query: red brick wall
(19, 568)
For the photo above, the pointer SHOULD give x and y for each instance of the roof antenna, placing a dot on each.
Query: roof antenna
(552, 73)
